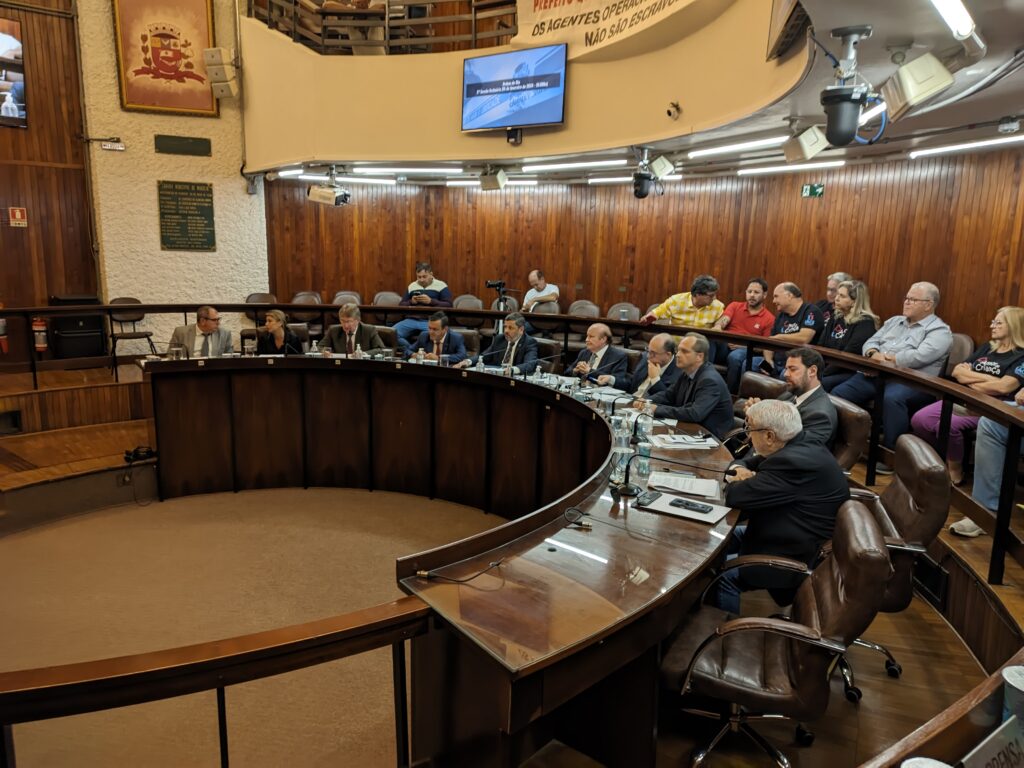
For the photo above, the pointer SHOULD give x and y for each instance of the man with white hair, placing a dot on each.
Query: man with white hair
(790, 491)
(917, 339)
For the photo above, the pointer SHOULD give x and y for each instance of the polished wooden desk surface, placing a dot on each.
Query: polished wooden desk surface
(559, 588)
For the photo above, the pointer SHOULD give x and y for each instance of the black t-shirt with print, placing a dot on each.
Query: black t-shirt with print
(808, 316)
(998, 364)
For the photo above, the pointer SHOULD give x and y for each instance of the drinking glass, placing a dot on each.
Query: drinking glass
(250, 347)
(446, 361)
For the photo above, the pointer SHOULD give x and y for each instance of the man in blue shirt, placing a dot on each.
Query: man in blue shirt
(437, 340)
(917, 339)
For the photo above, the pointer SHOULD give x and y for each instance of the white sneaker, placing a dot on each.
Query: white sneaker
(966, 527)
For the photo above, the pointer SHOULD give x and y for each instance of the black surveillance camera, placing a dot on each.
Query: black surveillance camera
(842, 105)
(642, 181)
(497, 284)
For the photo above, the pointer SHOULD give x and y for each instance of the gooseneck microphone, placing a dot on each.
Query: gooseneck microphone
(629, 489)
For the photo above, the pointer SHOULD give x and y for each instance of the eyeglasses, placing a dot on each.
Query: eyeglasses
(911, 298)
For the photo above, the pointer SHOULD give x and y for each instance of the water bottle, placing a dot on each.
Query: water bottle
(314, 350)
(358, 355)
(643, 463)
(480, 364)
(9, 108)
(645, 425)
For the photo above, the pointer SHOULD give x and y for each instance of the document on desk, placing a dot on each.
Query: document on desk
(673, 482)
(689, 442)
(663, 505)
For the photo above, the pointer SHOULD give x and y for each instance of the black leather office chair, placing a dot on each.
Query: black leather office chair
(764, 668)
(123, 318)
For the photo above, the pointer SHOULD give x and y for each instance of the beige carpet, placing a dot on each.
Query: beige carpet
(131, 579)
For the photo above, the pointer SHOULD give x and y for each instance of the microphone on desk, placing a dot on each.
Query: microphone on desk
(634, 439)
(629, 489)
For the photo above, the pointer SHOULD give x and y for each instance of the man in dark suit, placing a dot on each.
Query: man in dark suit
(351, 334)
(699, 395)
(655, 372)
(437, 340)
(599, 356)
(790, 490)
(513, 348)
(817, 412)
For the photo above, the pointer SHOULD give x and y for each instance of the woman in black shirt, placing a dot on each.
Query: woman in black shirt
(279, 338)
(851, 325)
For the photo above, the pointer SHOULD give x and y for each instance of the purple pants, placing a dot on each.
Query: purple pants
(926, 425)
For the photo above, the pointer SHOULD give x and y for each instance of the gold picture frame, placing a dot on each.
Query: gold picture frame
(160, 56)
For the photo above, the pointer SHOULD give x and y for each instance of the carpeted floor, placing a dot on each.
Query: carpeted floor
(130, 579)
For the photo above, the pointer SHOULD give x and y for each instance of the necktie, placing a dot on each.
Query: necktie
(507, 360)
(205, 351)
(351, 348)
(437, 348)
(593, 361)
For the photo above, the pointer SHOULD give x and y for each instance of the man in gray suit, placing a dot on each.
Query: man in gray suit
(204, 338)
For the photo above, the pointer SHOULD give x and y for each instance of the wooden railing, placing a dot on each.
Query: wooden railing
(391, 26)
(71, 689)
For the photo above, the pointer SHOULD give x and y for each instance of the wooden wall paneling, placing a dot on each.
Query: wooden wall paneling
(48, 409)
(267, 411)
(402, 424)
(561, 454)
(956, 220)
(460, 443)
(513, 444)
(199, 458)
(338, 439)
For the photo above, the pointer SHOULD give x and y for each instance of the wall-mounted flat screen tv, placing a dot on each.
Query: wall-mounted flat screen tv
(12, 75)
(516, 89)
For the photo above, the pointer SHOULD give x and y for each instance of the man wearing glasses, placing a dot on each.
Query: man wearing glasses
(204, 338)
(790, 491)
(917, 339)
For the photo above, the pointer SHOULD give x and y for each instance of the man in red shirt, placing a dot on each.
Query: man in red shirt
(751, 318)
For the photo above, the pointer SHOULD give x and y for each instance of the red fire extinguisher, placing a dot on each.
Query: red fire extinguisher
(3, 332)
(39, 331)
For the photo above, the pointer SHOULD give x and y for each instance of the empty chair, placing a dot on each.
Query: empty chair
(314, 320)
(852, 432)
(770, 667)
(468, 301)
(910, 513)
(123, 318)
(389, 337)
(347, 297)
(301, 330)
(549, 352)
(471, 339)
(259, 317)
(510, 305)
(577, 331)
(386, 299)
(623, 310)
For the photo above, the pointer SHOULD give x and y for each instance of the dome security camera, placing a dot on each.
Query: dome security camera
(642, 182)
(842, 109)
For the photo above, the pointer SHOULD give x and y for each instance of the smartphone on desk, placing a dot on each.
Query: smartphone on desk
(693, 506)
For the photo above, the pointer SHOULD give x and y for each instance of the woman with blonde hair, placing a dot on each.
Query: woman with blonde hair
(279, 339)
(996, 368)
(851, 325)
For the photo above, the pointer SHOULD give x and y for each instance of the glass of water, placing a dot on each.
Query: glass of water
(249, 346)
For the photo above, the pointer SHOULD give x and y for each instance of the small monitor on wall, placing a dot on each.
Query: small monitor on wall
(516, 89)
(12, 75)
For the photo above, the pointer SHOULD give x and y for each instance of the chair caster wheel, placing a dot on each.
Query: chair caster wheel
(893, 669)
(804, 737)
(853, 694)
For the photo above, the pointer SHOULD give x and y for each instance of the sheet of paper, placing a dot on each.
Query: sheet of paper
(674, 482)
(690, 442)
(663, 505)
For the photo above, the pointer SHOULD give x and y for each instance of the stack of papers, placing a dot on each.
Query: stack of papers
(684, 441)
(677, 483)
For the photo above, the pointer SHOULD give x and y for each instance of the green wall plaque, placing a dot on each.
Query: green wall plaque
(186, 216)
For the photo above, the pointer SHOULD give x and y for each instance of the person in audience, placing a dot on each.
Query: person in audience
(437, 340)
(996, 368)
(351, 334)
(697, 308)
(797, 320)
(751, 318)
(827, 305)
(599, 356)
(279, 339)
(204, 338)
(917, 339)
(425, 291)
(513, 349)
(851, 325)
(790, 491)
(699, 395)
(655, 372)
(541, 291)
(989, 456)
(817, 412)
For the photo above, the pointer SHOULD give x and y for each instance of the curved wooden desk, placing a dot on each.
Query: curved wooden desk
(561, 636)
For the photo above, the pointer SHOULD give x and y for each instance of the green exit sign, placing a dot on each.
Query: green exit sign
(813, 190)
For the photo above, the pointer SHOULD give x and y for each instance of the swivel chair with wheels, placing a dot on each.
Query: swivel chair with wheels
(770, 668)
(910, 513)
